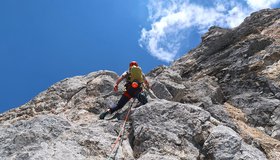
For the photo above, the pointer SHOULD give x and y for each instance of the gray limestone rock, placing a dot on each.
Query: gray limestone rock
(161, 91)
(168, 128)
(225, 143)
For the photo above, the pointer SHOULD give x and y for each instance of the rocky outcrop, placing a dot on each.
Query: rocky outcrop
(169, 128)
(219, 101)
(225, 143)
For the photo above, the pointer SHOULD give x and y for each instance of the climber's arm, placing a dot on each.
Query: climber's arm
(123, 76)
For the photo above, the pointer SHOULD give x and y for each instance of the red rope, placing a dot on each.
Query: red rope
(121, 132)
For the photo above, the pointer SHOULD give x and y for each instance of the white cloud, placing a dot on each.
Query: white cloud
(235, 16)
(261, 4)
(170, 18)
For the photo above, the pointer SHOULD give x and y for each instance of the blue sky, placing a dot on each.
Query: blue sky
(45, 41)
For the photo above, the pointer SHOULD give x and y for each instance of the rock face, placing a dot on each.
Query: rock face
(219, 101)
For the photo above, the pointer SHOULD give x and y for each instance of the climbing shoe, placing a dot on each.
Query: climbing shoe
(142, 97)
(103, 115)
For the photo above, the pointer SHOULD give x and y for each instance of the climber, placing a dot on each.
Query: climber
(135, 79)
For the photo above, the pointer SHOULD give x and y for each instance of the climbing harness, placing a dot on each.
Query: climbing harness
(118, 141)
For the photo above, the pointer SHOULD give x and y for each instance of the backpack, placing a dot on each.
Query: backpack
(136, 74)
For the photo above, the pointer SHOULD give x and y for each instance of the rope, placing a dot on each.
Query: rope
(116, 143)
(151, 93)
